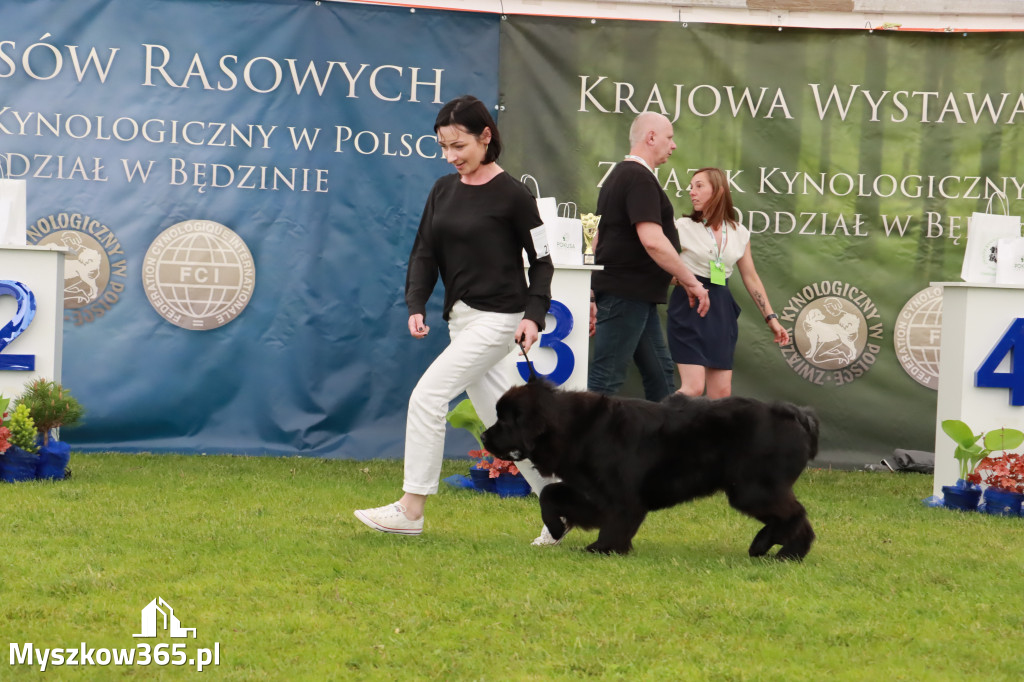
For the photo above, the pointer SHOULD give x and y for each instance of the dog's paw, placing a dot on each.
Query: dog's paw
(763, 541)
(798, 543)
(783, 555)
(598, 548)
(556, 527)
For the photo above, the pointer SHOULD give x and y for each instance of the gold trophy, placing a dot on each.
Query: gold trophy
(590, 222)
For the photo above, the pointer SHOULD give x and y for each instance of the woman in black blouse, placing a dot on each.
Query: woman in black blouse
(474, 228)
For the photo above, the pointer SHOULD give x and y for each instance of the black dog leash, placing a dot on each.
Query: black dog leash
(533, 374)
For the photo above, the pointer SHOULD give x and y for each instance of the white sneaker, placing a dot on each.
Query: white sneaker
(546, 540)
(390, 518)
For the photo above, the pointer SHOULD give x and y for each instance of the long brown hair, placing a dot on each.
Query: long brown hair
(719, 208)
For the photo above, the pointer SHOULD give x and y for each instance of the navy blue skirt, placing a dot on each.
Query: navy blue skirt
(708, 341)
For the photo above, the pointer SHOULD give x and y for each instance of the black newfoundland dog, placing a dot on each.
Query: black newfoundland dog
(620, 458)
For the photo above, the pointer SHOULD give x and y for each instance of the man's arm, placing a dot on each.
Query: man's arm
(660, 249)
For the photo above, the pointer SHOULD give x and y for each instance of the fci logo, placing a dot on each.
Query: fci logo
(151, 622)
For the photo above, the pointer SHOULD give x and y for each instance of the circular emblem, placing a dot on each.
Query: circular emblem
(836, 329)
(95, 268)
(916, 336)
(198, 274)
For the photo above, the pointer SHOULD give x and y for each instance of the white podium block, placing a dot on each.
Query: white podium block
(975, 321)
(31, 315)
(562, 354)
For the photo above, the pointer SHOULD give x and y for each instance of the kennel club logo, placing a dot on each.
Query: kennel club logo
(198, 274)
(95, 267)
(836, 330)
(916, 336)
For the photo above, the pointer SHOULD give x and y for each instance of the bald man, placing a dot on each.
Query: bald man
(638, 246)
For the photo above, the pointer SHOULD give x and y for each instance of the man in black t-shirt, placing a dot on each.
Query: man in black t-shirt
(638, 246)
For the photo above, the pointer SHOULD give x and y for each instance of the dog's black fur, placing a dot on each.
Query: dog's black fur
(621, 458)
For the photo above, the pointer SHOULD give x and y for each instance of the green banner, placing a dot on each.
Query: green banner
(855, 157)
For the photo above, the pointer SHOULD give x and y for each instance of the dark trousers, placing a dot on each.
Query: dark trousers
(629, 330)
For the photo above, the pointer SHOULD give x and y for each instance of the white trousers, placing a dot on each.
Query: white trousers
(477, 361)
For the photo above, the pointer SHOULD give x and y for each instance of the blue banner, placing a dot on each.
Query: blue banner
(238, 184)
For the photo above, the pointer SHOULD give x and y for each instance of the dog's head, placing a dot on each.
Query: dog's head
(523, 419)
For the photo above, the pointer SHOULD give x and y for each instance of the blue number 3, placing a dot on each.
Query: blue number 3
(19, 323)
(988, 377)
(565, 360)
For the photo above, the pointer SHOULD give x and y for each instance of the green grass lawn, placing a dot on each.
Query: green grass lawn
(264, 558)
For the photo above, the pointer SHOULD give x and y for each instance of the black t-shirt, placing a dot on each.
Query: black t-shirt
(474, 236)
(630, 195)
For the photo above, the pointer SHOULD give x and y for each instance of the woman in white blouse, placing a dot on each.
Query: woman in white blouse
(713, 244)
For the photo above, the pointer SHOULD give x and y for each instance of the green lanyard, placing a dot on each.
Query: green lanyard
(715, 266)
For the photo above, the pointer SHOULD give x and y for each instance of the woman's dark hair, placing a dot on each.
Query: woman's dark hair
(472, 115)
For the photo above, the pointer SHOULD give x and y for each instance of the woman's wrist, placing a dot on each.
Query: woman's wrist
(768, 318)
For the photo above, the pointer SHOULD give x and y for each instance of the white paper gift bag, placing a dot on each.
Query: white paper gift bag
(984, 230)
(12, 206)
(548, 209)
(1010, 261)
(565, 236)
(546, 206)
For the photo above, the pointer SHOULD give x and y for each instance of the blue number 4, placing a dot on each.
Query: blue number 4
(988, 377)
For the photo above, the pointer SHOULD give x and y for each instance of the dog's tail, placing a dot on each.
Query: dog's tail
(808, 419)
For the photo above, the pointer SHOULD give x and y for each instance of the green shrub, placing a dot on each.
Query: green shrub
(51, 406)
(23, 429)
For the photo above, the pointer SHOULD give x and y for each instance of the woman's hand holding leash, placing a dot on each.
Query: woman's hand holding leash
(533, 373)
(527, 334)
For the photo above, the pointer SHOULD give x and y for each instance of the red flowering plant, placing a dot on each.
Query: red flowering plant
(978, 464)
(5, 433)
(1005, 472)
(974, 450)
(464, 416)
(496, 466)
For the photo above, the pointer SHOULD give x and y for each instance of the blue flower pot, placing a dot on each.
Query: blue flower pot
(17, 465)
(1002, 502)
(512, 486)
(53, 460)
(963, 499)
(482, 480)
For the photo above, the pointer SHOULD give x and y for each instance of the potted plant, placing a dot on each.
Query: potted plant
(978, 467)
(963, 495)
(480, 472)
(464, 416)
(18, 459)
(51, 406)
(1004, 477)
(508, 480)
(489, 474)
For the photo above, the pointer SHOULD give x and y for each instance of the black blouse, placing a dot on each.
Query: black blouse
(473, 236)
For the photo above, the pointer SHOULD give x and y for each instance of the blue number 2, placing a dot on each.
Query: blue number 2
(988, 377)
(19, 323)
(565, 360)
